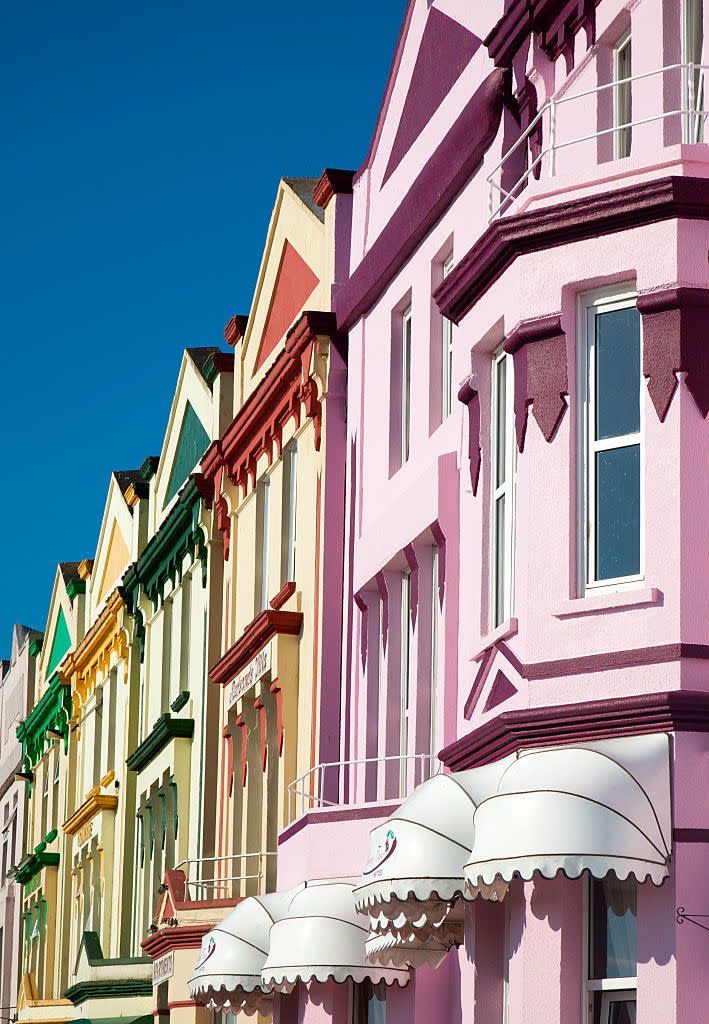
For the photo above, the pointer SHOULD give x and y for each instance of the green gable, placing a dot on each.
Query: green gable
(60, 643)
(191, 446)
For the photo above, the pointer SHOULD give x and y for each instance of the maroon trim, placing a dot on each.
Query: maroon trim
(557, 21)
(658, 655)
(691, 835)
(540, 378)
(256, 635)
(471, 399)
(674, 329)
(179, 937)
(482, 674)
(501, 690)
(235, 329)
(332, 182)
(674, 711)
(355, 813)
(446, 172)
(286, 591)
(588, 217)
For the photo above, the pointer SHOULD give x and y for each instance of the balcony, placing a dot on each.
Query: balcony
(229, 877)
(612, 131)
(366, 780)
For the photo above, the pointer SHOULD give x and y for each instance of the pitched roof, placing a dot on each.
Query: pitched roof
(303, 188)
(126, 477)
(70, 570)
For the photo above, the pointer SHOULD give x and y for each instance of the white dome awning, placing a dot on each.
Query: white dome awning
(228, 972)
(417, 856)
(599, 807)
(391, 950)
(321, 937)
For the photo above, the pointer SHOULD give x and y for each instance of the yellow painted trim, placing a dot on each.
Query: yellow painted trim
(93, 805)
(92, 658)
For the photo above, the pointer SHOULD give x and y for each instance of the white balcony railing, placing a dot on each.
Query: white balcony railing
(540, 144)
(214, 877)
(338, 783)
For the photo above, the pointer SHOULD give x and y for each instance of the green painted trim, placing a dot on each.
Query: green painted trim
(51, 836)
(150, 467)
(61, 643)
(163, 732)
(32, 863)
(192, 443)
(84, 990)
(179, 535)
(74, 587)
(52, 712)
(36, 645)
(180, 701)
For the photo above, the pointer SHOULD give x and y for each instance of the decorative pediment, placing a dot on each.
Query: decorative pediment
(294, 275)
(498, 683)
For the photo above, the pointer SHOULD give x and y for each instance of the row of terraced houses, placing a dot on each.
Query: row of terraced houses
(384, 696)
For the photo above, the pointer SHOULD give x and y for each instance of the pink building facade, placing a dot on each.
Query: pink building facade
(520, 815)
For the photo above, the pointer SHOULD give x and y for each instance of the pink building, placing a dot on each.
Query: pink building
(521, 805)
(16, 687)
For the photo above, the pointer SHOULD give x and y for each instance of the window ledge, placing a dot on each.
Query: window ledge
(618, 601)
(506, 630)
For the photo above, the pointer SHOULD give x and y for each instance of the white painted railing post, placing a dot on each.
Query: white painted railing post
(552, 138)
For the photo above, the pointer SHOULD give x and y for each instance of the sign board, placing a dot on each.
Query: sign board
(250, 675)
(85, 834)
(163, 968)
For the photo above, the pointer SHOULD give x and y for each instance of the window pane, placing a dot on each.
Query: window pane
(369, 1003)
(617, 373)
(615, 919)
(501, 420)
(499, 567)
(618, 513)
(622, 1013)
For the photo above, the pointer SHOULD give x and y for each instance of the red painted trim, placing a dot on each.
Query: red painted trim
(538, 348)
(235, 329)
(674, 711)
(577, 219)
(691, 835)
(331, 183)
(182, 936)
(278, 694)
(674, 326)
(286, 592)
(263, 739)
(264, 627)
(445, 174)
(229, 740)
(357, 813)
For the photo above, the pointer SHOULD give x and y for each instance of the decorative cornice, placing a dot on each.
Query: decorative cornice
(179, 937)
(256, 635)
(217, 362)
(288, 387)
(446, 172)
(32, 863)
(540, 378)
(52, 712)
(35, 646)
(555, 21)
(163, 732)
(471, 400)
(85, 568)
(119, 988)
(561, 223)
(674, 341)
(91, 659)
(235, 329)
(180, 535)
(332, 183)
(76, 586)
(674, 711)
(91, 807)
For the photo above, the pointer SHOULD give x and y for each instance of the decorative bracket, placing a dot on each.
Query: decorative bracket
(683, 916)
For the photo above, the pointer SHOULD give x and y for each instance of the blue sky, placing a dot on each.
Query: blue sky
(141, 148)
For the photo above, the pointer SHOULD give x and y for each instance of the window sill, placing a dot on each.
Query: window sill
(619, 601)
(505, 631)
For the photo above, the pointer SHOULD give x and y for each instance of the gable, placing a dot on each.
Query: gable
(61, 642)
(295, 283)
(117, 558)
(192, 443)
(445, 50)
(499, 683)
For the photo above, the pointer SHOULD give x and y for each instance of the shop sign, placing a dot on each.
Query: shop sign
(382, 852)
(85, 834)
(250, 675)
(163, 968)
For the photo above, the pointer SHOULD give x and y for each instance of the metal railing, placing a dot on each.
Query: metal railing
(220, 885)
(359, 780)
(691, 113)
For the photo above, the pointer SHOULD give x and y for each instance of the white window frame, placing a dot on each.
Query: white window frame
(292, 498)
(435, 641)
(592, 305)
(447, 353)
(263, 511)
(622, 96)
(406, 344)
(613, 989)
(504, 490)
(694, 126)
(405, 692)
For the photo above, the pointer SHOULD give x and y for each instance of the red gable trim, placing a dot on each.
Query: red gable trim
(295, 283)
(263, 628)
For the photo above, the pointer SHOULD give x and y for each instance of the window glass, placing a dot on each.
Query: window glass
(369, 1003)
(623, 97)
(447, 352)
(614, 927)
(406, 387)
(618, 372)
(503, 471)
(618, 512)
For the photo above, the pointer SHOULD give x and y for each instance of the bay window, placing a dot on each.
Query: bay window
(612, 951)
(613, 441)
(503, 449)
